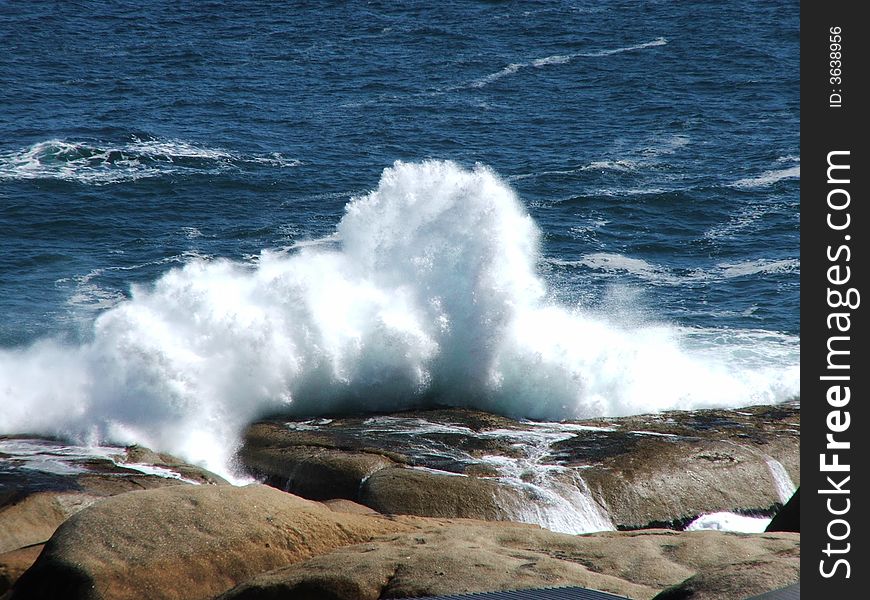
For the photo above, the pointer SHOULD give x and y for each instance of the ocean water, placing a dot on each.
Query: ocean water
(214, 210)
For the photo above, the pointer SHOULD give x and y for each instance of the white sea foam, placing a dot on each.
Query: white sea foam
(725, 521)
(769, 177)
(560, 59)
(753, 267)
(609, 261)
(634, 159)
(106, 163)
(431, 293)
(661, 275)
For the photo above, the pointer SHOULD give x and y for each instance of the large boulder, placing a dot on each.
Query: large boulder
(32, 519)
(186, 542)
(43, 482)
(467, 556)
(666, 469)
(313, 472)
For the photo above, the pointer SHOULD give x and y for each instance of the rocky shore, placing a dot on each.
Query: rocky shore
(408, 505)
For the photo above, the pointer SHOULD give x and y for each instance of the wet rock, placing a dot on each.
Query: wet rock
(645, 471)
(43, 482)
(667, 482)
(467, 556)
(663, 470)
(187, 542)
(140, 455)
(313, 472)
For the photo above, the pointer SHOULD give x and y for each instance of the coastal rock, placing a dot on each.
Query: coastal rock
(433, 494)
(471, 556)
(311, 471)
(32, 519)
(664, 470)
(659, 470)
(744, 579)
(43, 482)
(140, 456)
(186, 542)
(14, 563)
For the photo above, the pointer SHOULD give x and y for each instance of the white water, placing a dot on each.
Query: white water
(725, 521)
(432, 290)
(769, 177)
(106, 163)
(558, 498)
(550, 495)
(62, 459)
(785, 487)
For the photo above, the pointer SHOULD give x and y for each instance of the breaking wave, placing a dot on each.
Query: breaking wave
(431, 295)
(97, 163)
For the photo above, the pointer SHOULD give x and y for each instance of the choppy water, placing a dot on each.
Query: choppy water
(177, 255)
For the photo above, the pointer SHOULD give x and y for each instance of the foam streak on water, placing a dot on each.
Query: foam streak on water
(560, 59)
(432, 293)
(97, 163)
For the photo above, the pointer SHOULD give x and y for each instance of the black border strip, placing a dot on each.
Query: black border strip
(835, 64)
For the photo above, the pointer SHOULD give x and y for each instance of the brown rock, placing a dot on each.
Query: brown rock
(16, 562)
(660, 470)
(349, 506)
(431, 494)
(32, 519)
(740, 579)
(186, 542)
(314, 472)
(142, 455)
(468, 556)
(667, 482)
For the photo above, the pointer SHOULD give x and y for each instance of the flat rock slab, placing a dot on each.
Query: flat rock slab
(461, 557)
(658, 470)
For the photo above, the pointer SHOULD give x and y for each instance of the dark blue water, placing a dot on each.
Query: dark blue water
(654, 144)
(134, 135)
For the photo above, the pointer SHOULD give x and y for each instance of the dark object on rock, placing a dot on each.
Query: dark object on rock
(792, 592)
(789, 518)
(563, 593)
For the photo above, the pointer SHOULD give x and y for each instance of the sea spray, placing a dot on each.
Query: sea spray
(432, 296)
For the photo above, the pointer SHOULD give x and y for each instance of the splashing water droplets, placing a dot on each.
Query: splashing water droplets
(432, 293)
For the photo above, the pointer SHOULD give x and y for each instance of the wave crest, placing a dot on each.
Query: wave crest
(98, 163)
(432, 296)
